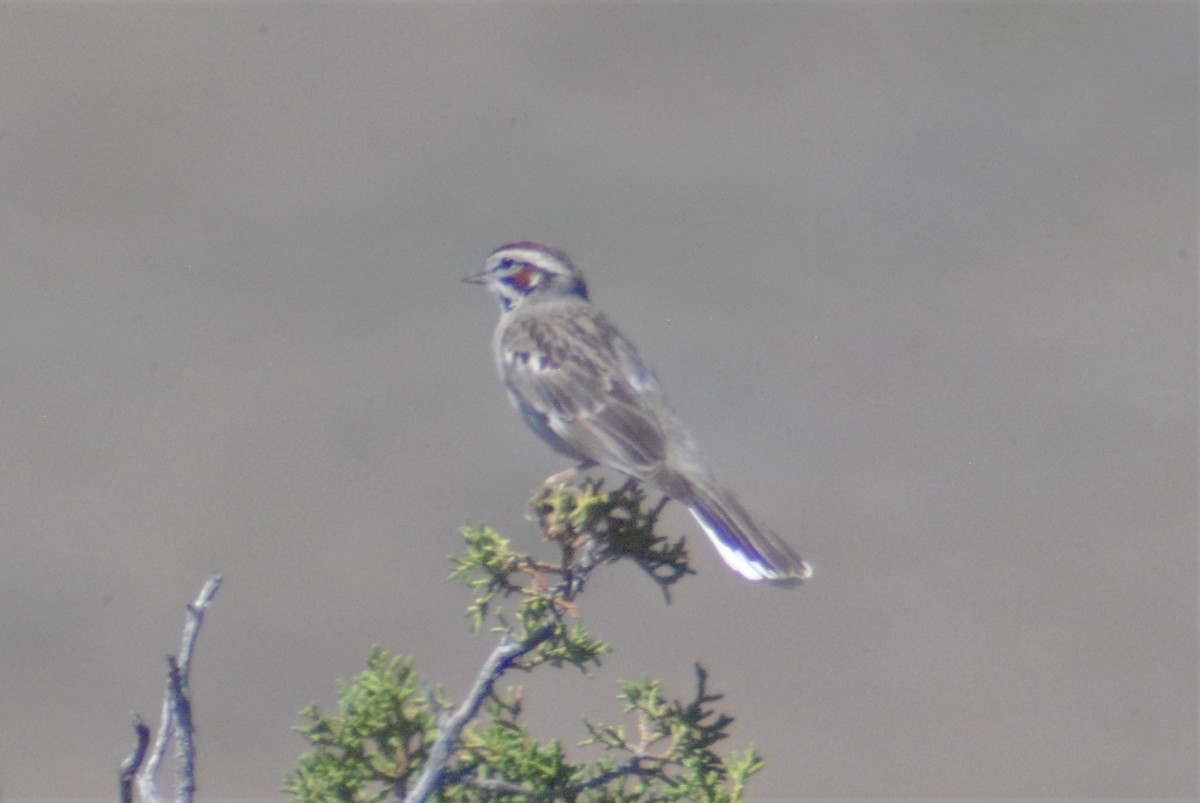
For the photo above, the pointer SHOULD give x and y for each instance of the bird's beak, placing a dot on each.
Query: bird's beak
(476, 278)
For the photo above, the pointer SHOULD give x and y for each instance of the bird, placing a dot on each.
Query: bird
(583, 388)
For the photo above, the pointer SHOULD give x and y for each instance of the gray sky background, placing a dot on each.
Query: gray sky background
(921, 278)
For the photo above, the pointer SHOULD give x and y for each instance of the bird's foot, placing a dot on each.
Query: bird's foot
(566, 475)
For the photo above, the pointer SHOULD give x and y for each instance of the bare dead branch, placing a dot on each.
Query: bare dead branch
(131, 765)
(177, 710)
(185, 749)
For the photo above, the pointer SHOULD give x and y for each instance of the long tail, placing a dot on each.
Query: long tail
(750, 550)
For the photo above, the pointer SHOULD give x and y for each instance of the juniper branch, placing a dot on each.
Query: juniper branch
(502, 657)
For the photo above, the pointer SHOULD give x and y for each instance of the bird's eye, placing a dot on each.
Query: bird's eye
(506, 263)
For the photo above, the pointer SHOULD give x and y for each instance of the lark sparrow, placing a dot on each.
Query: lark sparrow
(581, 386)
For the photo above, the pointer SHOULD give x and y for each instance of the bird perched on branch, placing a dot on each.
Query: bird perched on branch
(583, 388)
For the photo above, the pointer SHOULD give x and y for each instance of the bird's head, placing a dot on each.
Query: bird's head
(523, 272)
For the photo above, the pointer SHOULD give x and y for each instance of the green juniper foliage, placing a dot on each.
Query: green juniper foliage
(395, 737)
